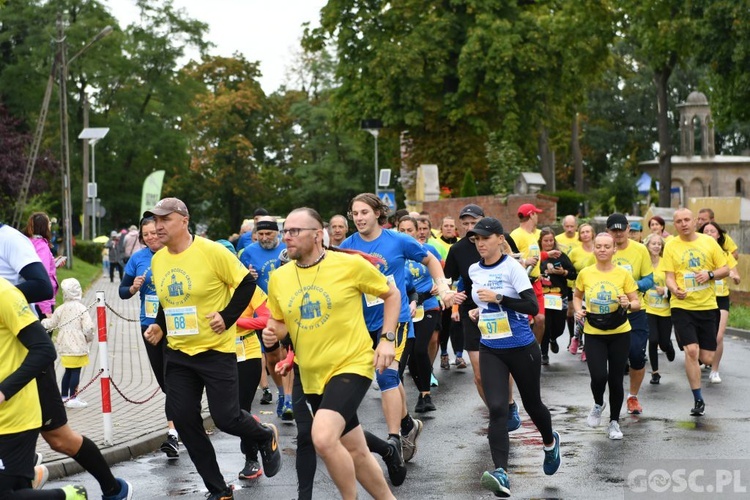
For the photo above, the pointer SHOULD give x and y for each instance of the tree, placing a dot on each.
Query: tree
(469, 186)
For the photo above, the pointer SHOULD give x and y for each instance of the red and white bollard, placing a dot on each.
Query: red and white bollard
(101, 319)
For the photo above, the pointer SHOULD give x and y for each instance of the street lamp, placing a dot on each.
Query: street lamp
(65, 146)
(373, 127)
(93, 135)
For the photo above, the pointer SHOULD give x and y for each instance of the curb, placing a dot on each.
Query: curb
(743, 334)
(115, 454)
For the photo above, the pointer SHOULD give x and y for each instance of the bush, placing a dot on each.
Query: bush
(469, 187)
(568, 202)
(88, 251)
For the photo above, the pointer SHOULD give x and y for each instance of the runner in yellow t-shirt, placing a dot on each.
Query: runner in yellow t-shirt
(658, 313)
(526, 237)
(691, 262)
(581, 256)
(202, 290)
(316, 302)
(609, 291)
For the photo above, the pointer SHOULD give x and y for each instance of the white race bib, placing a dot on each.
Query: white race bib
(151, 305)
(554, 302)
(239, 343)
(494, 325)
(691, 285)
(418, 314)
(655, 300)
(371, 300)
(181, 320)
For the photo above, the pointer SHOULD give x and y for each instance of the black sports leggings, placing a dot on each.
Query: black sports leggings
(248, 373)
(606, 356)
(419, 362)
(450, 330)
(307, 460)
(659, 336)
(525, 364)
(554, 326)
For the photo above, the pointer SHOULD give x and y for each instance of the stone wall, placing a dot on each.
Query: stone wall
(505, 209)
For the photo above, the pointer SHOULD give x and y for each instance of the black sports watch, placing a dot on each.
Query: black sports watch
(389, 336)
(710, 275)
(499, 298)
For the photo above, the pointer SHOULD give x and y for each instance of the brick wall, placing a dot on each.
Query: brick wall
(505, 209)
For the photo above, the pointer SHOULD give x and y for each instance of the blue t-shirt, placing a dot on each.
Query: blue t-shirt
(509, 278)
(263, 261)
(418, 277)
(395, 249)
(244, 240)
(139, 264)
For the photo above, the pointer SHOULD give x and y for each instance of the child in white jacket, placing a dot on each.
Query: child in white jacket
(75, 334)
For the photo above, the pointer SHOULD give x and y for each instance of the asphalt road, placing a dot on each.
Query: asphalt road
(453, 450)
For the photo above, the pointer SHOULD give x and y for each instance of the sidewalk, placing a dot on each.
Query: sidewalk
(138, 428)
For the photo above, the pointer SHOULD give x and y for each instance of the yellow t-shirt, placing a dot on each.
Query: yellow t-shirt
(191, 285)
(322, 309)
(21, 412)
(722, 285)
(249, 346)
(729, 245)
(566, 244)
(601, 291)
(684, 259)
(656, 304)
(528, 244)
(635, 259)
(581, 258)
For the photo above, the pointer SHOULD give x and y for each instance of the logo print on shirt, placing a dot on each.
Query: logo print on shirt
(175, 288)
(178, 285)
(693, 261)
(309, 309)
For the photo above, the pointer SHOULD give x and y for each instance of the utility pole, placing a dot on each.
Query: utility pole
(85, 231)
(64, 146)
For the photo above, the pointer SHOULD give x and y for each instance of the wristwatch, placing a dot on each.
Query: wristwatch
(710, 275)
(389, 336)
(499, 298)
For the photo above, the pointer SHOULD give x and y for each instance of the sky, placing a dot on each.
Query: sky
(262, 30)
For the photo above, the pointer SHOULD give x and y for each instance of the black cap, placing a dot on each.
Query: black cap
(486, 227)
(617, 222)
(259, 212)
(472, 210)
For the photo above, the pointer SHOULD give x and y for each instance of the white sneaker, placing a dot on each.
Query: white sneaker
(595, 417)
(714, 378)
(76, 403)
(613, 430)
(41, 475)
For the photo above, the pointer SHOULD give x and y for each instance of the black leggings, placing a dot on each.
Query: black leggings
(248, 373)
(307, 460)
(525, 364)
(452, 330)
(659, 336)
(155, 355)
(69, 384)
(606, 356)
(420, 366)
(554, 326)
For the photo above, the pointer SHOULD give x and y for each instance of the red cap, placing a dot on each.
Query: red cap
(527, 209)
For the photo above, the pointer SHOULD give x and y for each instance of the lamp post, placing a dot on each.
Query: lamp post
(93, 135)
(65, 145)
(373, 127)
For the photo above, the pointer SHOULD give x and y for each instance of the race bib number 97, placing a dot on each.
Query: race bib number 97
(494, 325)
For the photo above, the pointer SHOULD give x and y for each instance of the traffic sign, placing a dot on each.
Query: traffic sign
(388, 197)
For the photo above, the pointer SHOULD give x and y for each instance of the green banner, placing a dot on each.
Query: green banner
(151, 191)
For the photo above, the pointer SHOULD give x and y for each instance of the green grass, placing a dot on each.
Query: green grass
(84, 272)
(739, 317)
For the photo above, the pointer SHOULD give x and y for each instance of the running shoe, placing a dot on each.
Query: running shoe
(409, 442)
(554, 346)
(287, 415)
(75, 492)
(419, 407)
(545, 359)
(497, 482)
(433, 381)
(428, 404)
(76, 403)
(613, 431)
(252, 470)
(655, 378)
(595, 416)
(41, 475)
(714, 378)
(583, 357)
(171, 447)
(699, 408)
(634, 407)
(670, 352)
(460, 363)
(269, 451)
(394, 461)
(514, 419)
(552, 458)
(280, 406)
(126, 491)
(267, 397)
(573, 349)
(445, 363)
(227, 494)
(39, 459)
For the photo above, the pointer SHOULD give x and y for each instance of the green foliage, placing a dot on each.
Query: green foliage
(469, 187)
(739, 317)
(617, 194)
(569, 202)
(505, 162)
(88, 251)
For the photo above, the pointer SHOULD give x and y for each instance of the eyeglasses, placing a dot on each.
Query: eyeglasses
(294, 231)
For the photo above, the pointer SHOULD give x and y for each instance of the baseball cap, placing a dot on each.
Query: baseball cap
(472, 211)
(527, 209)
(260, 212)
(636, 226)
(167, 206)
(486, 227)
(617, 222)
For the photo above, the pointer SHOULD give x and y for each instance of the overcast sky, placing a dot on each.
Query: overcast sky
(262, 30)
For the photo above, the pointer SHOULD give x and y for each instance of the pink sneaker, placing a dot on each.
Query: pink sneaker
(574, 342)
(583, 357)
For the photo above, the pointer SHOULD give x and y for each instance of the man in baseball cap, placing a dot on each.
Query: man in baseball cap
(166, 206)
(527, 209)
(471, 210)
(617, 222)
